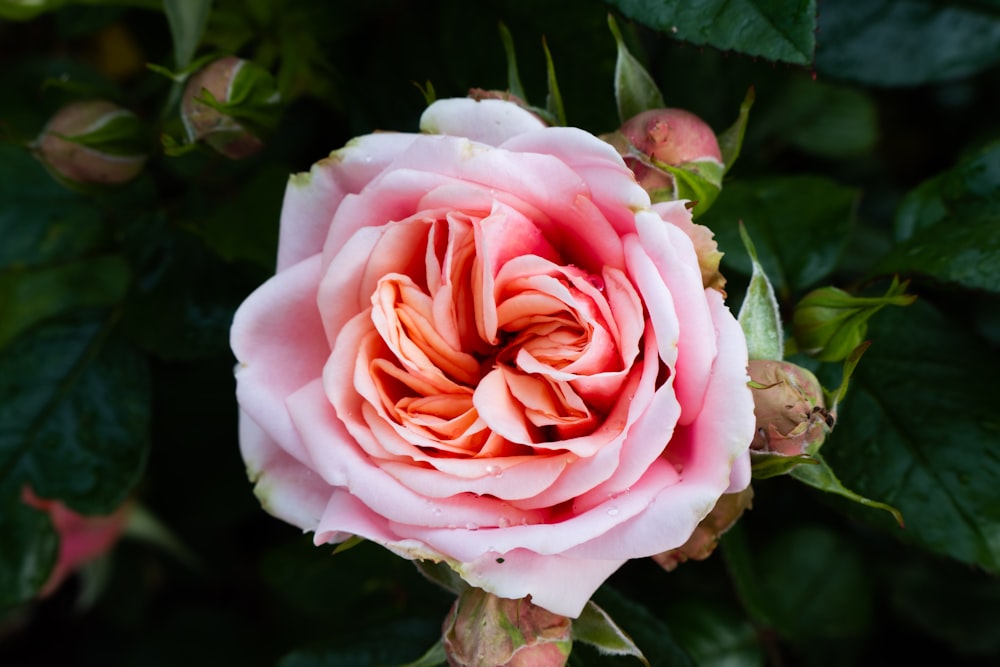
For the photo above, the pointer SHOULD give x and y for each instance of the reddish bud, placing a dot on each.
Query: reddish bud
(705, 538)
(788, 402)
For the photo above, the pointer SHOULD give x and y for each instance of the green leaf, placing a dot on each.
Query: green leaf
(635, 89)
(379, 646)
(435, 656)
(858, 36)
(28, 549)
(808, 583)
(74, 414)
(442, 575)
(34, 295)
(760, 316)
(187, 19)
(714, 634)
(919, 430)
(42, 223)
(822, 477)
(774, 29)
(800, 225)
(596, 628)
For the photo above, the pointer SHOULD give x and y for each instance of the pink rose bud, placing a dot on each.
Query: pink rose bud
(483, 630)
(702, 543)
(657, 139)
(229, 105)
(791, 416)
(93, 142)
(81, 538)
(672, 136)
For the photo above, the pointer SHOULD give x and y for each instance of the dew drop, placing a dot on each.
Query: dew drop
(496, 471)
(612, 511)
(503, 522)
(472, 526)
(597, 282)
(436, 511)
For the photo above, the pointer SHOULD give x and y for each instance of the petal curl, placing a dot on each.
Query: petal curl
(489, 121)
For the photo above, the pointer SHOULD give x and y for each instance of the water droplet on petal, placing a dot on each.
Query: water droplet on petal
(503, 522)
(597, 282)
(437, 511)
(612, 511)
(472, 526)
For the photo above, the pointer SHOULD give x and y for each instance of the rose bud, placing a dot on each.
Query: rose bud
(93, 142)
(705, 538)
(483, 630)
(674, 154)
(829, 323)
(230, 105)
(789, 406)
(81, 538)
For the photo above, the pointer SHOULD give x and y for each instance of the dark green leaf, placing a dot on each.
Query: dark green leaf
(808, 582)
(966, 252)
(34, 295)
(514, 86)
(391, 644)
(774, 29)
(919, 430)
(28, 549)
(714, 634)
(74, 414)
(40, 221)
(731, 139)
(893, 43)
(800, 225)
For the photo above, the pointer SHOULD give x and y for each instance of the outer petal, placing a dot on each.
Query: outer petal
(286, 488)
(278, 341)
(489, 121)
(312, 197)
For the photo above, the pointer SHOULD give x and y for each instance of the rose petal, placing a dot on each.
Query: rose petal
(489, 121)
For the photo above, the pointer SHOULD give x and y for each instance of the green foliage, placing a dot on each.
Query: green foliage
(115, 310)
(774, 29)
(857, 39)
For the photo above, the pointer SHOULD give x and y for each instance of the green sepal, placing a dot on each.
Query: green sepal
(850, 363)
(635, 89)
(829, 323)
(595, 627)
(764, 465)
(442, 574)
(29, 546)
(120, 134)
(731, 140)
(699, 181)
(349, 543)
(822, 477)
(514, 86)
(254, 100)
(760, 316)
(553, 101)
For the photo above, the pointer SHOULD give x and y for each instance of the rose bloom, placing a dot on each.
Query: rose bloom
(483, 346)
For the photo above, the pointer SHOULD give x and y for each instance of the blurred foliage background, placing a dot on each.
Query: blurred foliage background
(871, 151)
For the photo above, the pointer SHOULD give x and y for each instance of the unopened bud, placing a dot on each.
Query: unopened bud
(829, 323)
(705, 538)
(792, 418)
(664, 146)
(93, 142)
(81, 538)
(483, 630)
(230, 105)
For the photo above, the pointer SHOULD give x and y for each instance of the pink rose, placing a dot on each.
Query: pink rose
(81, 538)
(483, 346)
